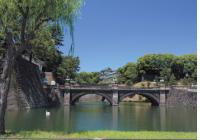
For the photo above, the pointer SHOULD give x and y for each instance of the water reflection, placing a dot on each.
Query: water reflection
(66, 119)
(162, 118)
(100, 116)
(115, 110)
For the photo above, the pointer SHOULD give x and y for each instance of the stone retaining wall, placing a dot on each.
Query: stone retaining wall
(181, 97)
(27, 90)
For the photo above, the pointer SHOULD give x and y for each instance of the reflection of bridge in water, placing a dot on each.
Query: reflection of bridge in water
(117, 118)
(112, 93)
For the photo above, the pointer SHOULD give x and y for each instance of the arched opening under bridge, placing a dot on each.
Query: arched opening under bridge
(90, 98)
(148, 97)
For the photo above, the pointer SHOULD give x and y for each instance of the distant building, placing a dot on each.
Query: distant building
(108, 76)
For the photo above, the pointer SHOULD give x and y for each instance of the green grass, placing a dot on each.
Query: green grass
(104, 135)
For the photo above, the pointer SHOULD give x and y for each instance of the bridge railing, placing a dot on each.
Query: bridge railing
(190, 88)
(123, 87)
(85, 86)
(110, 86)
(91, 85)
(184, 86)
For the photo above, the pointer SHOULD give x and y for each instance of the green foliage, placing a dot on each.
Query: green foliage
(142, 85)
(153, 64)
(29, 21)
(185, 66)
(128, 74)
(153, 67)
(194, 75)
(36, 27)
(26, 25)
(187, 81)
(47, 49)
(172, 80)
(68, 68)
(166, 74)
(51, 56)
(88, 78)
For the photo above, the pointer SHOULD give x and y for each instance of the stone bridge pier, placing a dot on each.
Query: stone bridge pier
(114, 95)
(162, 100)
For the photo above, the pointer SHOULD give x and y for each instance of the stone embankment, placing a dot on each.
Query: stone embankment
(181, 96)
(26, 90)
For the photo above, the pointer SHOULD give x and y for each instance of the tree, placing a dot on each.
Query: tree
(194, 76)
(151, 65)
(68, 68)
(185, 66)
(47, 50)
(166, 74)
(88, 77)
(172, 80)
(128, 74)
(21, 22)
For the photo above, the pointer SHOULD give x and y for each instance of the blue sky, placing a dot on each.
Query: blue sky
(110, 33)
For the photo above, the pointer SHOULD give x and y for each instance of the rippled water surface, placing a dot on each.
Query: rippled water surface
(100, 116)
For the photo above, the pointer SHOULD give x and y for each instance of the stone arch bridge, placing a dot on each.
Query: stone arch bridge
(112, 93)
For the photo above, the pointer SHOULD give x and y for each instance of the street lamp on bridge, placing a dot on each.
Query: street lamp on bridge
(68, 82)
(162, 81)
(114, 82)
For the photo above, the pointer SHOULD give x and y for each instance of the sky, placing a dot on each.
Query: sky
(111, 33)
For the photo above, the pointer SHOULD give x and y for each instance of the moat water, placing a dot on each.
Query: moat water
(100, 116)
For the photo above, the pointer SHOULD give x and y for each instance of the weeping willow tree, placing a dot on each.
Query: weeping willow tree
(22, 23)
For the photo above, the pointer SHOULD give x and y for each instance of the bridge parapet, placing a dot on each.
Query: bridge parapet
(116, 87)
(190, 88)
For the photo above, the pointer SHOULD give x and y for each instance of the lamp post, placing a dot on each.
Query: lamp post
(162, 81)
(188, 83)
(67, 94)
(114, 81)
(69, 82)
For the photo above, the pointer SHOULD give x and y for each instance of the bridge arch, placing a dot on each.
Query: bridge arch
(153, 99)
(76, 97)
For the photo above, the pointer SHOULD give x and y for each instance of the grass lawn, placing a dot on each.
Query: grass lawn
(104, 135)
